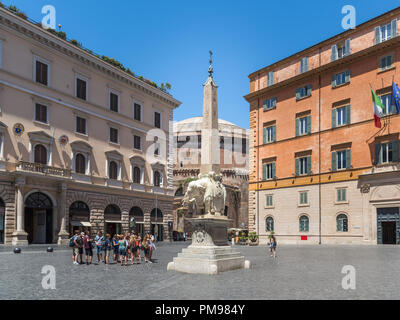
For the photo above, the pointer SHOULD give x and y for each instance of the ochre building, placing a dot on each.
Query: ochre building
(320, 171)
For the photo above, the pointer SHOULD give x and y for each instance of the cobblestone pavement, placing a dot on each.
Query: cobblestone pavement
(299, 272)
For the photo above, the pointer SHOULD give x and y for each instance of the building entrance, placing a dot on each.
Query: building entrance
(388, 225)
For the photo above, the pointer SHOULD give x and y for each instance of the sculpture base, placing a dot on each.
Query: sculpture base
(63, 238)
(209, 252)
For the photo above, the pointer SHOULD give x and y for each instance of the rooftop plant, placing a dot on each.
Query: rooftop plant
(163, 87)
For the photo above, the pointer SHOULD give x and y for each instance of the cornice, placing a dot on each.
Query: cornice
(51, 41)
(324, 68)
(332, 40)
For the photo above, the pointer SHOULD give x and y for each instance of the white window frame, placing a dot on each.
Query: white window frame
(386, 146)
(387, 102)
(118, 94)
(141, 167)
(35, 103)
(341, 115)
(141, 110)
(340, 190)
(48, 151)
(81, 77)
(303, 165)
(384, 30)
(386, 57)
(269, 134)
(269, 167)
(271, 197)
(109, 135)
(76, 125)
(2, 132)
(301, 197)
(44, 61)
(303, 126)
(341, 160)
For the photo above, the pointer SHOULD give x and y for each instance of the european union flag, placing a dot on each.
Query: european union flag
(396, 97)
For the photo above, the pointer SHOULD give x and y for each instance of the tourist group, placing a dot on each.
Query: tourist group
(124, 247)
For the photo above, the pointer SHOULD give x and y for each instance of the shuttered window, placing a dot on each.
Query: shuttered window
(114, 135)
(386, 32)
(114, 98)
(269, 104)
(303, 126)
(137, 143)
(269, 170)
(81, 125)
(40, 113)
(269, 134)
(303, 166)
(42, 70)
(341, 116)
(387, 152)
(137, 112)
(157, 119)
(304, 92)
(304, 65)
(113, 170)
(40, 155)
(81, 87)
(269, 200)
(386, 62)
(136, 175)
(341, 160)
(340, 78)
(80, 164)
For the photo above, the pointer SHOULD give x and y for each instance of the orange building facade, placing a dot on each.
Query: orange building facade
(320, 170)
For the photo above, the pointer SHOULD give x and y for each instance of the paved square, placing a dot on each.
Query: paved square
(306, 272)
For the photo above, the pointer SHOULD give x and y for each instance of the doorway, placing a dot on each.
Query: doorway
(388, 225)
(39, 218)
(389, 232)
(158, 231)
(113, 228)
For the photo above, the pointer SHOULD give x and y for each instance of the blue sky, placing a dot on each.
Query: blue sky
(168, 41)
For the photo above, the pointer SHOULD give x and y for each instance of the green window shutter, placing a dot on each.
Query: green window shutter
(264, 172)
(347, 76)
(298, 96)
(309, 90)
(309, 124)
(333, 118)
(377, 35)
(383, 63)
(348, 159)
(334, 55)
(334, 161)
(334, 81)
(273, 102)
(378, 158)
(274, 170)
(394, 28)
(297, 127)
(265, 105)
(347, 47)
(297, 166)
(309, 165)
(348, 114)
(264, 135)
(395, 148)
(274, 133)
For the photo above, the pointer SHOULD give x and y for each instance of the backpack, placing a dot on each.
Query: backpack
(122, 244)
(71, 242)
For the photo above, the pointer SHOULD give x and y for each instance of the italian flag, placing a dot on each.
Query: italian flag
(379, 108)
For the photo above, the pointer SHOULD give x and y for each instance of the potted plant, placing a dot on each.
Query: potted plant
(253, 239)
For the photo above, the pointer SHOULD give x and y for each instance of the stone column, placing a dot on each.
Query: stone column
(20, 237)
(63, 235)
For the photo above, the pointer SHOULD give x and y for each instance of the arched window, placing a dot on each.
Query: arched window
(342, 223)
(157, 179)
(40, 154)
(80, 163)
(304, 224)
(113, 170)
(38, 200)
(136, 175)
(269, 224)
(179, 192)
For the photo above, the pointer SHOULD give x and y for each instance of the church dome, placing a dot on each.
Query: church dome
(196, 123)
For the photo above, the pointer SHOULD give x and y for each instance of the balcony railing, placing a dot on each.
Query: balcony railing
(41, 168)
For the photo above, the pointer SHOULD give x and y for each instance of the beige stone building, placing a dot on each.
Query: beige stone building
(233, 158)
(83, 144)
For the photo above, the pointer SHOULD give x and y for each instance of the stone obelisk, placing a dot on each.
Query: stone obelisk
(210, 155)
(209, 252)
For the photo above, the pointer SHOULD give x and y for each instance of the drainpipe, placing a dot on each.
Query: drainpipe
(319, 153)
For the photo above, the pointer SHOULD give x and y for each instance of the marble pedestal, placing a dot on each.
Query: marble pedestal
(19, 238)
(209, 252)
